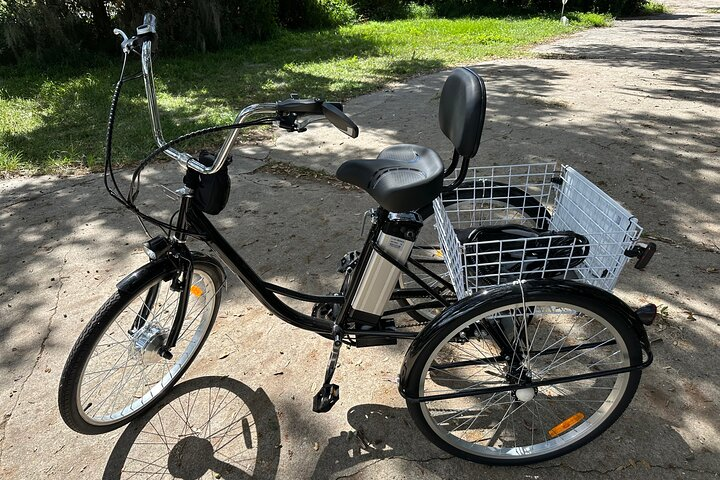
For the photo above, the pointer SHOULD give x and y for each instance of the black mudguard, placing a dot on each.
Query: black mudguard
(496, 296)
(144, 275)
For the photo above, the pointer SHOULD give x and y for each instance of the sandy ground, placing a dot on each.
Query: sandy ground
(633, 107)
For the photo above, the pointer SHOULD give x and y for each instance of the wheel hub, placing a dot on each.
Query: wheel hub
(148, 341)
(525, 394)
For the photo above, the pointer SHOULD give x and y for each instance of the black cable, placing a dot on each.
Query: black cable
(109, 135)
(134, 190)
(182, 138)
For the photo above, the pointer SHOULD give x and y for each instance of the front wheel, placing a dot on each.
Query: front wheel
(115, 371)
(530, 336)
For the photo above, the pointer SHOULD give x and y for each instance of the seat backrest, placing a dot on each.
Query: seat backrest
(462, 110)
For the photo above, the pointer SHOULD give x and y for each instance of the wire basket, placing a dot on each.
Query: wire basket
(536, 221)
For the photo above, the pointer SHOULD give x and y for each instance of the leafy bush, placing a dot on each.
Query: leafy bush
(455, 8)
(417, 11)
(203, 25)
(315, 13)
(41, 31)
(381, 9)
(50, 31)
(614, 7)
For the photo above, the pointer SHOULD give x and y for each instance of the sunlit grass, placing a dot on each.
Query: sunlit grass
(54, 121)
(653, 8)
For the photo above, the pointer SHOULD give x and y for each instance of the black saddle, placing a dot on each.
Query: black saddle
(403, 178)
(407, 177)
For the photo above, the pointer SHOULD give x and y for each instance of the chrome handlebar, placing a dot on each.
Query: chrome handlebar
(183, 158)
(146, 35)
(147, 71)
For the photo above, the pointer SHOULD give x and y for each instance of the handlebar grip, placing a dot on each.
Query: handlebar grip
(341, 121)
(151, 21)
(305, 106)
(147, 31)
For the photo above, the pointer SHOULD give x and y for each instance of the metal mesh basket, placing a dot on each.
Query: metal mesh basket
(584, 233)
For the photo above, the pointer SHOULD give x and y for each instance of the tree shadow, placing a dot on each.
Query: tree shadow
(66, 244)
(206, 426)
(380, 432)
(659, 161)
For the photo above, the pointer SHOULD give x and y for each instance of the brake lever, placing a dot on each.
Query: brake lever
(302, 126)
(127, 43)
(287, 122)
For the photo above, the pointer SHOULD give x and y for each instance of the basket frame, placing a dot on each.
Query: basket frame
(568, 202)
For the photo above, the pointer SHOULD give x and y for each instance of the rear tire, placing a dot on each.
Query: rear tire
(114, 372)
(566, 335)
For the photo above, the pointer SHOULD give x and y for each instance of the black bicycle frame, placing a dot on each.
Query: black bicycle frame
(267, 293)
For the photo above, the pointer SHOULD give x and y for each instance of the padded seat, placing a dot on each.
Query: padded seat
(403, 177)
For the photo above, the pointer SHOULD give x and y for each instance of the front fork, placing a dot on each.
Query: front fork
(181, 282)
(183, 286)
(184, 258)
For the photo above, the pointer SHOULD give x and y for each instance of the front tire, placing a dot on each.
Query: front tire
(114, 372)
(539, 337)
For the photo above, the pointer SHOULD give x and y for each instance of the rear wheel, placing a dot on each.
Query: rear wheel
(537, 338)
(115, 371)
(470, 205)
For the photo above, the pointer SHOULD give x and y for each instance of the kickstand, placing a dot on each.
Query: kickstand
(329, 394)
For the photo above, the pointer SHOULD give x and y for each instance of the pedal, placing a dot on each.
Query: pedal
(329, 393)
(324, 400)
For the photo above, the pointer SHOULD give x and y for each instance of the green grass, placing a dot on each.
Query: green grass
(53, 122)
(653, 8)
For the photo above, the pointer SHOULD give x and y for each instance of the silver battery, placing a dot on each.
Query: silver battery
(381, 276)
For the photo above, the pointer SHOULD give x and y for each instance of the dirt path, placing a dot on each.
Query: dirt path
(634, 107)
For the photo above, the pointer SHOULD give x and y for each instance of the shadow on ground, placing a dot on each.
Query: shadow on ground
(205, 426)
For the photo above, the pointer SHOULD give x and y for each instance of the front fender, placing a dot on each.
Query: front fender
(147, 273)
(500, 295)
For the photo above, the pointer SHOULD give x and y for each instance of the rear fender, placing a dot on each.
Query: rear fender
(498, 296)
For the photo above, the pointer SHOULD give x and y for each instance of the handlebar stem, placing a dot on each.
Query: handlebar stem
(184, 159)
(146, 60)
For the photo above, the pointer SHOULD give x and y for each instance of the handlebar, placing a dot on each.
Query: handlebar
(149, 25)
(286, 110)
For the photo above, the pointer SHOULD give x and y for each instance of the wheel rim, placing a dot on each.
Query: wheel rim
(526, 424)
(124, 372)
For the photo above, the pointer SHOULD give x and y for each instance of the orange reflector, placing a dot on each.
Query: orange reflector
(195, 290)
(438, 253)
(566, 425)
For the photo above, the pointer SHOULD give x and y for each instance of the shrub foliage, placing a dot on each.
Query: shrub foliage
(49, 31)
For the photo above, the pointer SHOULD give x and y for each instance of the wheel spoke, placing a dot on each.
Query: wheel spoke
(119, 378)
(547, 339)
